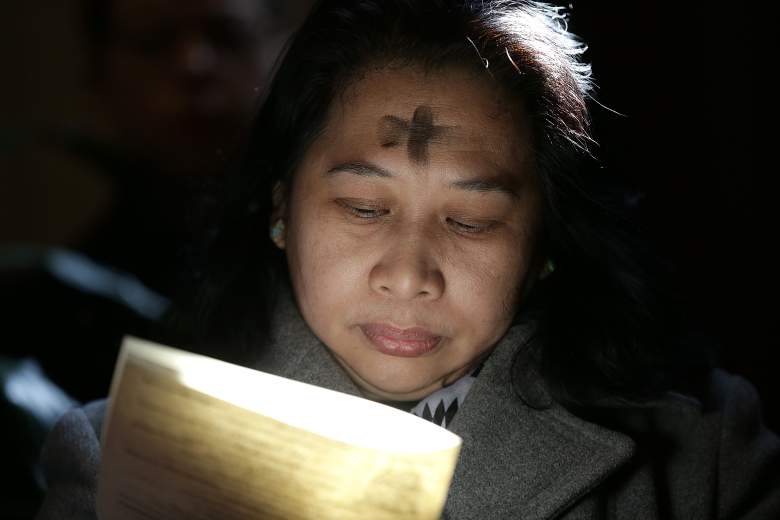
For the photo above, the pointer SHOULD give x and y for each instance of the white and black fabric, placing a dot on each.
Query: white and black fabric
(440, 407)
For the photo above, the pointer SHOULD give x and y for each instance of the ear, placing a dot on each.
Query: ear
(278, 215)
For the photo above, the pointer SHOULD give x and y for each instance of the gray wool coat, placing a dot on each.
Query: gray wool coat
(677, 458)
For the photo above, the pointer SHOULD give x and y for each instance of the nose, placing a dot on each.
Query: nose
(409, 271)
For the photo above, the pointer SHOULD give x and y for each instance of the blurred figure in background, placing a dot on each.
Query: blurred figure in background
(179, 80)
(101, 215)
(175, 84)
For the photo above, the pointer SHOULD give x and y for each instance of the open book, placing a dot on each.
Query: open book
(188, 436)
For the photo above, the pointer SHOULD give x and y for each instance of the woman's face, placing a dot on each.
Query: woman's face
(410, 227)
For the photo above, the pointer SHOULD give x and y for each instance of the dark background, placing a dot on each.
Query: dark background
(683, 79)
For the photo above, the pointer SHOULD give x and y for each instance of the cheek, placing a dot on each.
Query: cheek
(488, 286)
(324, 266)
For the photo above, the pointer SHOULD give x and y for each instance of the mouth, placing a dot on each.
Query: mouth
(411, 342)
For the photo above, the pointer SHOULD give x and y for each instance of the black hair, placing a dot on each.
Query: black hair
(604, 326)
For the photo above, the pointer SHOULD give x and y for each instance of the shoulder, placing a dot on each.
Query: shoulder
(727, 405)
(748, 452)
(728, 411)
(73, 442)
(713, 450)
(94, 413)
(70, 460)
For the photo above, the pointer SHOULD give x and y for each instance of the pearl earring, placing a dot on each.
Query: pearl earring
(547, 270)
(277, 233)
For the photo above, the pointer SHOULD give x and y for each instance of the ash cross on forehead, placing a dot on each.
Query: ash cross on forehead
(419, 133)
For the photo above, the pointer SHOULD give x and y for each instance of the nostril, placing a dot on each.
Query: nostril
(406, 280)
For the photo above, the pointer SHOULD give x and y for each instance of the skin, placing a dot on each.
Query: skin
(181, 79)
(411, 249)
(418, 134)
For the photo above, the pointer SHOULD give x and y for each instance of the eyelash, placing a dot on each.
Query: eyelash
(361, 212)
(472, 228)
(375, 214)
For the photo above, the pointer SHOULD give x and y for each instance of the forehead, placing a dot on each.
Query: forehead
(467, 112)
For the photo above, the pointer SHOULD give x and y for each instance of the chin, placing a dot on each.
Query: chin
(401, 388)
(392, 385)
(398, 394)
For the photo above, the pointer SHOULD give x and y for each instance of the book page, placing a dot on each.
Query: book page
(173, 451)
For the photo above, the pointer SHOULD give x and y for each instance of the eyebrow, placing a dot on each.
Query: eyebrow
(485, 186)
(359, 168)
(475, 185)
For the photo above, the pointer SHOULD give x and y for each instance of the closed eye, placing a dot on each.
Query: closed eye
(363, 211)
(470, 227)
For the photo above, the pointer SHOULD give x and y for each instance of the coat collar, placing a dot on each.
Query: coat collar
(296, 353)
(521, 462)
(516, 461)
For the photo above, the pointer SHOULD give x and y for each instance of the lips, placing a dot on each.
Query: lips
(411, 342)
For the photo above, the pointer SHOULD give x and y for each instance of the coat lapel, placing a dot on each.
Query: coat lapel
(296, 353)
(516, 462)
(519, 462)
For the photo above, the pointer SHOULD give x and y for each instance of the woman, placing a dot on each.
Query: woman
(437, 243)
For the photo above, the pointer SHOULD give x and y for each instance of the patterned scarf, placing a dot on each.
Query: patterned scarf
(440, 407)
